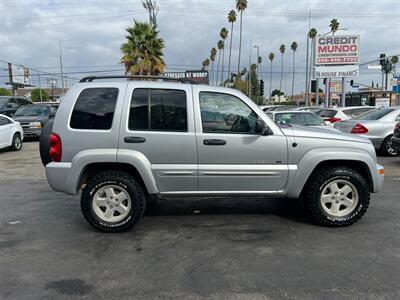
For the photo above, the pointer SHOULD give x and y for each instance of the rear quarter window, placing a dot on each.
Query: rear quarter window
(94, 109)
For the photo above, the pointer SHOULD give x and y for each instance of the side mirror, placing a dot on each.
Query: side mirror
(262, 128)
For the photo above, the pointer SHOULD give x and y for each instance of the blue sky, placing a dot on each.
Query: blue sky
(91, 32)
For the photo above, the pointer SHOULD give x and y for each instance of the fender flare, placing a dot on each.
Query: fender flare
(314, 157)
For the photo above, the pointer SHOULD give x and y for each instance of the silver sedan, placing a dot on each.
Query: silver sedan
(377, 125)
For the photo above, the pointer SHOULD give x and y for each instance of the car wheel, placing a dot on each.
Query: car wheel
(386, 148)
(113, 201)
(337, 196)
(16, 143)
(44, 142)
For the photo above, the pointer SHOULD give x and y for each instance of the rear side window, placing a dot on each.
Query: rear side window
(158, 110)
(326, 113)
(94, 109)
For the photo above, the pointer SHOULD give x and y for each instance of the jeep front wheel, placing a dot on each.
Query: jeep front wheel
(337, 196)
(113, 201)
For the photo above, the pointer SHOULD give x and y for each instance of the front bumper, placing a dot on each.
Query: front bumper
(32, 132)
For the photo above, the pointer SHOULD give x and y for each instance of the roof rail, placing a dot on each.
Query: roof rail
(91, 78)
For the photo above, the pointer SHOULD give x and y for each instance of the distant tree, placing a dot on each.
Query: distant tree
(277, 92)
(271, 57)
(223, 34)
(213, 54)
(394, 61)
(4, 92)
(334, 25)
(152, 8)
(294, 48)
(35, 95)
(282, 49)
(220, 46)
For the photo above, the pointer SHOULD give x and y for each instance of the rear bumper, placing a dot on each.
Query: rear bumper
(59, 177)
(378, 178)
(396, 143)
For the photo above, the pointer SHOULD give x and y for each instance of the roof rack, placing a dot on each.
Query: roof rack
(91, 78)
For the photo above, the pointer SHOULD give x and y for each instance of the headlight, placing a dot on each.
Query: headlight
(35, 125)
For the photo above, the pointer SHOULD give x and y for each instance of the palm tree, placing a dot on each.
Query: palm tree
(312, 34)
(294, 48)
(220, 46)
(142, 53)
(282, 49)
(207, 63)
(241, 6)
(271, 57)
(231, 19)
(334, 25)
(223, 34)
(213, 54)
(259, 61)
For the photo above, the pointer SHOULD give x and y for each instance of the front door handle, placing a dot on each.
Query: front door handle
(214, 142)
(134, 139)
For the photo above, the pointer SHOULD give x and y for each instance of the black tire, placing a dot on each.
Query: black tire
(386, 146)
(16, 143)
(44, 142)
(315, 186)
(120, 179)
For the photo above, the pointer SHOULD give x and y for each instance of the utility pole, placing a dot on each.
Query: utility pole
(40, 87)
(62, 73)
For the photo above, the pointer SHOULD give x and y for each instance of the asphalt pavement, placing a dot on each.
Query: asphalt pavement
(191, 248)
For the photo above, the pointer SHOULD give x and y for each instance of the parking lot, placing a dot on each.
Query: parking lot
(213, 248)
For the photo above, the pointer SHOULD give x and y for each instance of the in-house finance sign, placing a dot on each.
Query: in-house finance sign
(337, 50)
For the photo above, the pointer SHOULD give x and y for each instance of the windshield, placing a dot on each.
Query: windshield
(32, 110)
(375, 114)
(305, 119)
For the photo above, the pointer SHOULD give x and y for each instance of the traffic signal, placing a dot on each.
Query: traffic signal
(261, 87)
(352, 82)
(382, 61)
(313, 86)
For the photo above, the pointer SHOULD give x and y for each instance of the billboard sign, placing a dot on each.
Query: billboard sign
(197, 76)
(336, 71)
(382, 102)
(19, 74)
(337, 50)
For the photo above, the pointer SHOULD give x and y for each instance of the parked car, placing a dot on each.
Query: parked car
(396, 138)
(378, 126)
(121, 142)
(271, 107)
(11, 133)
(303, 118)
(10, 104)
(33, 117)
(333, 115)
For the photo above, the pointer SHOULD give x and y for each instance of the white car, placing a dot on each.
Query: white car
(11, 134)
(333, 115)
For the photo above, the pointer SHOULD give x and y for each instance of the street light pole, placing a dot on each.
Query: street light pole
(62, 73)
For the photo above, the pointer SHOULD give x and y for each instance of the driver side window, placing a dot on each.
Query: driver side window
(224, 113)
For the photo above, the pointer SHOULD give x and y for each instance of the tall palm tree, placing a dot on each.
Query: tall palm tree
(282, 50)
(259, 61)
(334, 25)
(271, 57)
(231, 19)
(207, 63)
(213, 54)
(220, 46)
(312, 34)
(203, 65)
(223, 34)
(142, 53)
(241, 6)
(294, 48)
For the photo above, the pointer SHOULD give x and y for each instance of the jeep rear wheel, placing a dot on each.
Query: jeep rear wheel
(337, 196)
(113, 201)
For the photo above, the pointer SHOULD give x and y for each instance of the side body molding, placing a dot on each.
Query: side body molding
(315, 156)
(142, 165)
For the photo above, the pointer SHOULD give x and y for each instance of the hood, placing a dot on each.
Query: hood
(28, 119)
(322, 133)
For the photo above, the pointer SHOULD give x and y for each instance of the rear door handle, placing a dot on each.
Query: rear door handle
(134, 139)
(214, 142)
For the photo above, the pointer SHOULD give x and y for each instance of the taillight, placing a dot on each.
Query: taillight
(334, 120)
(55, 147)
(359, 129)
